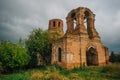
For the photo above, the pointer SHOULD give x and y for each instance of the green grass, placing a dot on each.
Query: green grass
(110, 72)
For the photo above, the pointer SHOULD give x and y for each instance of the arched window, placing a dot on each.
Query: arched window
(86, 19)
(54, 24)
(73, 16)
(87, 23)
(58, 24)
(59, 54)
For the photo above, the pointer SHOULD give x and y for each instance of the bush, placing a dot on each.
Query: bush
(12, 56)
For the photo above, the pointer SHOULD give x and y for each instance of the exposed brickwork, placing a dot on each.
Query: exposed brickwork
(81, 44)
(56, 28)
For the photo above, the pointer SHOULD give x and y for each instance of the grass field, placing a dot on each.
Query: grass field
(110, 72)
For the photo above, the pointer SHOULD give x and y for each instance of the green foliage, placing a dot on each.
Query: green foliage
(109, 72)
(1, 67)
(15, 76)
(55, 36)
(38, 42)
(118, 57)
(12, 55)
(112, 70)
(21, 42)
(114, 57)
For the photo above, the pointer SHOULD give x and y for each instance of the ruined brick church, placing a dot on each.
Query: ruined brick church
(81, 44)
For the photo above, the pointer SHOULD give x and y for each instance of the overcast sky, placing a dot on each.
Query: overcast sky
(19, 17)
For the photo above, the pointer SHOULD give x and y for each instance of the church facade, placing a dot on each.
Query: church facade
(81, 44)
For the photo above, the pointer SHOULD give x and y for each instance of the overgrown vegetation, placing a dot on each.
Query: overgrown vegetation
(115, 57)
(12, 56)
(38, 43)
(24, 55)
(110, 72)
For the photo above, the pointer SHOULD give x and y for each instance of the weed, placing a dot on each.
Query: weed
(37, 76)
(74, 76)
(55, 76)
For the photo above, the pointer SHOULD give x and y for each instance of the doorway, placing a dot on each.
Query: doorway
(92, 57)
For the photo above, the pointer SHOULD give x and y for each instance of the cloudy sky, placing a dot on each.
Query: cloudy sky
(19, 17)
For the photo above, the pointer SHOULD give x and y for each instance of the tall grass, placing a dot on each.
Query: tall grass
(53, 72)
(112, 71)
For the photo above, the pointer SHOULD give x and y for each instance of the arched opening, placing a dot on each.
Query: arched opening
(87, 23)
(58, 24)
(86, 13)
(73, 16)
(92, 57)
(59, 54)
(54, 24)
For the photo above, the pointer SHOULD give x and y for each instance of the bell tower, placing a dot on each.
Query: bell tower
(56, 28)
(80, 21)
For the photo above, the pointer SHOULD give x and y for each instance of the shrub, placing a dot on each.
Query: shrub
(12, 56)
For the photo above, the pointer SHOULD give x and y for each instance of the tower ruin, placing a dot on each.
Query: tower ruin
(81, 44)
(56, 28)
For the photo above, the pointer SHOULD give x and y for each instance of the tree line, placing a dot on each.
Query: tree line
(115, 57)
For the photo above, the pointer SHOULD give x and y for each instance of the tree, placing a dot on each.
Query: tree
(118, 57)
(38, 42)
(12, 56)
(112, 57)
(21, 42)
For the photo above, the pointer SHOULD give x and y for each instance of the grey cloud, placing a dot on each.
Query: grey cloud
(19, 17)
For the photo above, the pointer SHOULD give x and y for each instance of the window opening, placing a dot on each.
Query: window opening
(59, 54)
(58, 24)
(53, 24)
(73, 16)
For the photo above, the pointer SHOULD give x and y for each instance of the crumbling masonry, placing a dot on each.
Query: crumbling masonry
(81, 44)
